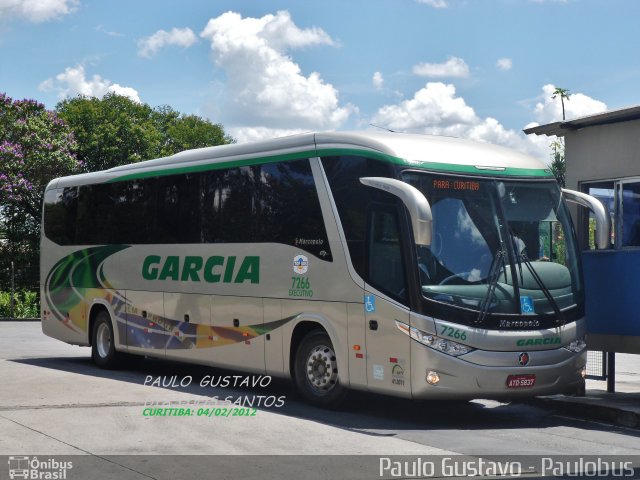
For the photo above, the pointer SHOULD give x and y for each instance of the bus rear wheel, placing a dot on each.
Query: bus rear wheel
(103, 349)
(316, 371)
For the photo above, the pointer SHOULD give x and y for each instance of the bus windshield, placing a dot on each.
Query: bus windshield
(498, 246)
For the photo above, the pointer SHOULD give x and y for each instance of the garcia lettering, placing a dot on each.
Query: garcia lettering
(214, 269)
(527, 342)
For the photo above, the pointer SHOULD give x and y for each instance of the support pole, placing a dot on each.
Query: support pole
(13, 293)
(611, 372)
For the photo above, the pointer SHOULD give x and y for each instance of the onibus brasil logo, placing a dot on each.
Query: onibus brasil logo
(33, 468)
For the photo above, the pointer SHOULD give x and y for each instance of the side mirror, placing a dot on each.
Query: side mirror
(416, 203)
(600, 212)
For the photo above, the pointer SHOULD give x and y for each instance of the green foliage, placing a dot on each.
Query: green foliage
(185, 132)
(558, 165)
(110, 131)
(115, 130)
(553, 246)
(26, 304)
(35, 147)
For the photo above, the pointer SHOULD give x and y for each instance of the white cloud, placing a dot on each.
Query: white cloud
(111, 33)
(73, 82)
(182, 37)
(434, 3)
(252, 134)
(549, 110)
(453, 67)
(435, 109)
(504, 64)
(36, 11)
(377, 80)
(264, 85)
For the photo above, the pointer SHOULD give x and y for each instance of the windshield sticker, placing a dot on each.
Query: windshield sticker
(369, 303)
(526, 306)
(300, 264)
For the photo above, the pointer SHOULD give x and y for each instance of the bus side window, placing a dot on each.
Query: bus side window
(60, 207)
(384, 252)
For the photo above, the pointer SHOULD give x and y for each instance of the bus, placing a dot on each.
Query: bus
(417, 266)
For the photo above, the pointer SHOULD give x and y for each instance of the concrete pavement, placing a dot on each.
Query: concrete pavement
(619, 408)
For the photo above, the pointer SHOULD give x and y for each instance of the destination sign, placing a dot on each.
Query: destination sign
(456, 184)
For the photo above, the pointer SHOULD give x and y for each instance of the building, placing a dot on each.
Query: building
(602, 154)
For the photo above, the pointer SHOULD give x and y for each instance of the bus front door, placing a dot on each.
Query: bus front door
(388, 358)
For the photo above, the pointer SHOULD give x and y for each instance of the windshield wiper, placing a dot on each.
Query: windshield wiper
(543, 287)
(492, 279)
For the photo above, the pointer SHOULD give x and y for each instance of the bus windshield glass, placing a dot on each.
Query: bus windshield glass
(498, 246)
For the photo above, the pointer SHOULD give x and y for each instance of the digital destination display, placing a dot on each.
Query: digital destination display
(446, 184)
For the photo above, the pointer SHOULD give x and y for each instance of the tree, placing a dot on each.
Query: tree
(115, 130)
(185, 132)
(36, 146)
(110, 131)
(562, 93)
(558, 164)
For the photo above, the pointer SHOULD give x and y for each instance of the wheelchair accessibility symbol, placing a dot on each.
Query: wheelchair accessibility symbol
(369, 303)
(526, 306)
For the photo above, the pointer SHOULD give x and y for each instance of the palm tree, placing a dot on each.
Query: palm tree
(562, 93)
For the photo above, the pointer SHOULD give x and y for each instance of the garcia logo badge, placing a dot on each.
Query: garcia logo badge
(523, 359)
(300, 264)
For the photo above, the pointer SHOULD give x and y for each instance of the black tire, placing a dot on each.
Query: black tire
(316, 371)
(103, 349)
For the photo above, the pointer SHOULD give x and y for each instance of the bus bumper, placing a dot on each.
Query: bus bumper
(461, 379)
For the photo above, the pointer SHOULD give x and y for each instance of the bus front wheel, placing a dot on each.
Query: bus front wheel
(103, 350)
(316, 370)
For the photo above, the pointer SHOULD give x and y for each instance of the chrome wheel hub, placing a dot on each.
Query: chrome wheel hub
(322, 368)
(103, 340)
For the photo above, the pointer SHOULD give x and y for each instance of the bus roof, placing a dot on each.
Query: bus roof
(429, 152)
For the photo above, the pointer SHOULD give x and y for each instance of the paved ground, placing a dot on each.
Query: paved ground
(53, 400)
(619, 408)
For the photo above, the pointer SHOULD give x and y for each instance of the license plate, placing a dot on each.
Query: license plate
(521, 381)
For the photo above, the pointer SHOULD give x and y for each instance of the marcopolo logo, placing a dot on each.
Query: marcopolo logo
(34, 468)
(214, 269)
(529, 342)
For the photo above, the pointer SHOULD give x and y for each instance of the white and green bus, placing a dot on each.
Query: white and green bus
(414, 266)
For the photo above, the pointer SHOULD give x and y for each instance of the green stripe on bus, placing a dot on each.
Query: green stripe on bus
(329, 152)
(440, 166)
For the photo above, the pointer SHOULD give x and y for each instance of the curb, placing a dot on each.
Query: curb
(574, 408)
(19, 319)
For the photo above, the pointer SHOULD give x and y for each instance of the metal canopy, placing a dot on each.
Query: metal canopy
(560, 128)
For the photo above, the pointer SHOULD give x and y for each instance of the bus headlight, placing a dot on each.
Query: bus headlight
(578, 345)
(443, 345)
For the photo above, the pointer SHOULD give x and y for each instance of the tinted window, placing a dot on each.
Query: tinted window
(230, 205)
(60, 208)
(385, 268)
(134, 211)
(289, 207)
(353, 199)
(266, 203)
(178, 211)
(95, 218)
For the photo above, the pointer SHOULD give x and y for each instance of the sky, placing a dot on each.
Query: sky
(479, 69)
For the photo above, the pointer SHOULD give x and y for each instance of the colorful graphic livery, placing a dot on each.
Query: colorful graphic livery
(416, 266)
